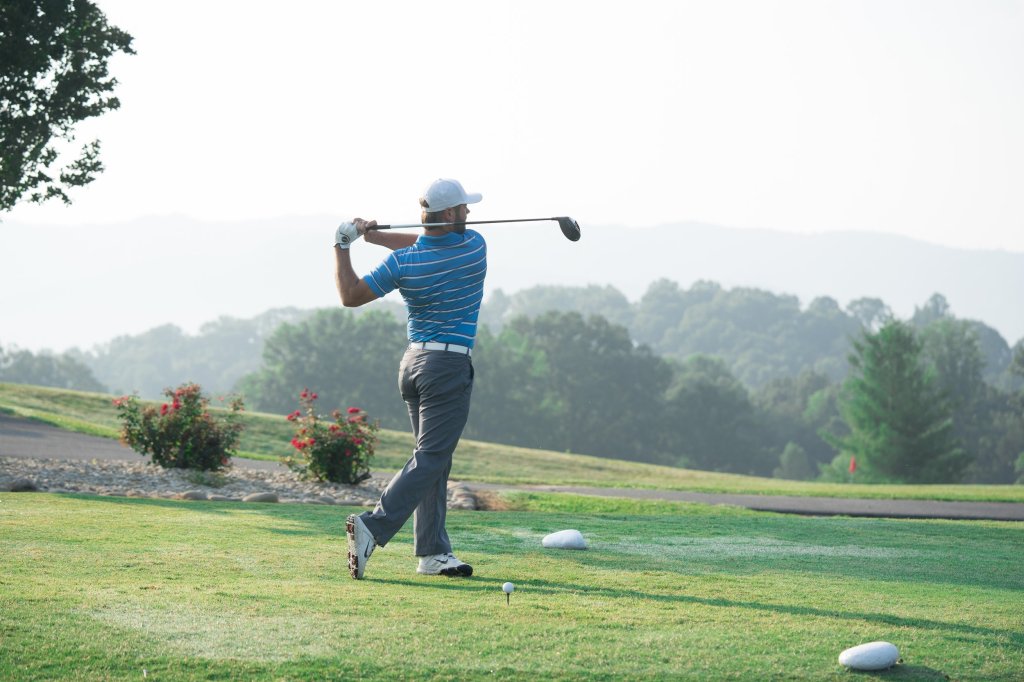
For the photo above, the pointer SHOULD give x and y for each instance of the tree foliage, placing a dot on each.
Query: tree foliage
(45, 369)
(348, 359)
(759, 335)
(218, 356)
(55, 56)
(606, 301)
(901, 425)
(794, 464)
(710, 422)
(758, 399)
(579, 381)
(795, 411)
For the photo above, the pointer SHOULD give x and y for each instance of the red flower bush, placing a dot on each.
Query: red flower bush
(339, 452)
(181, 434)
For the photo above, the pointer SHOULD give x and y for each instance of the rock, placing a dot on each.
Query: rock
(326, 499)
(564, 539)
(260, 497)
(193, 495)
(870, 656)
(22, 485)
(219, 498)
(463, 501)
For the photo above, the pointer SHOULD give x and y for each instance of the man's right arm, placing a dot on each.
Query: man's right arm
(352, 288)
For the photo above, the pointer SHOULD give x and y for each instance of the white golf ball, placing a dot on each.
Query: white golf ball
(507, 588)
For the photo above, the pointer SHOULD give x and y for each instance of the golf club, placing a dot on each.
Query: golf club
(570, 228)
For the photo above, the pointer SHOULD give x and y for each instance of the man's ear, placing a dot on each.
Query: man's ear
(449, 215)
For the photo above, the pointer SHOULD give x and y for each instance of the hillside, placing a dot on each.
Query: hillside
(266, 436)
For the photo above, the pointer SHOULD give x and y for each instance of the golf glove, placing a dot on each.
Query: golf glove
(345, 235)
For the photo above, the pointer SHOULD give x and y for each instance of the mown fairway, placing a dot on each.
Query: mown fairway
(106, 588)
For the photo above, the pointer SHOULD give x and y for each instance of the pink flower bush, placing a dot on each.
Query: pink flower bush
(182, 434)
(339, 452)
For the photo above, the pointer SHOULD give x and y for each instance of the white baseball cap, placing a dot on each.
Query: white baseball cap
(447, 193)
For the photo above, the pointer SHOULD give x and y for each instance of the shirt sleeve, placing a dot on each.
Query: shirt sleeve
(384, 278)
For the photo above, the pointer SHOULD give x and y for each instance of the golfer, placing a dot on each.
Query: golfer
(440, 274)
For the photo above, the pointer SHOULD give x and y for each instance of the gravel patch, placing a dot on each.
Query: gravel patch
(141, 479)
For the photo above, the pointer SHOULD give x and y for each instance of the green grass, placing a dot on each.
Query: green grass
(266, 437)
(104, 588)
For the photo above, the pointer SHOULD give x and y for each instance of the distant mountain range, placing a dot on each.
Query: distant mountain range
(63, 286)
(981, 285)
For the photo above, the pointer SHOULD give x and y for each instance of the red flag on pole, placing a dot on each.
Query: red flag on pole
(853, 464)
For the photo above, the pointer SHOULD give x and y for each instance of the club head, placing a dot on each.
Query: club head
(570, 228)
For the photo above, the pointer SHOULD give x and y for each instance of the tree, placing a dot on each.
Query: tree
(606, 301)
(221, 353)
(660, 309)
(54, 55)
(901, 426)
(602, 392)
(44, 369)
(793, 410)
(710, 422)
(872, 313)
(951, 347)
(512, 400)
(935, 308)
(793, 464)
(760, 335)
(349, 359)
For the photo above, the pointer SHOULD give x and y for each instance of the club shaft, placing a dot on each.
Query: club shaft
(468, 222)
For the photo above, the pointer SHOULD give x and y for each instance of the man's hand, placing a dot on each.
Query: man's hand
(345, 235)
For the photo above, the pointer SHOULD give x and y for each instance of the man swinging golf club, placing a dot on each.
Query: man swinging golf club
(440, 274)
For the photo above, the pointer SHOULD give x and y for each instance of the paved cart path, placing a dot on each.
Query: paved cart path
(27, 438)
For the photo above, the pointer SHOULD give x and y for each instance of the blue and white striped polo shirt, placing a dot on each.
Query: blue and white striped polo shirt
(442, 282)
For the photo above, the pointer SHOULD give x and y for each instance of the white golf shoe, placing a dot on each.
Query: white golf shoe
(360, 545)
(444, 564)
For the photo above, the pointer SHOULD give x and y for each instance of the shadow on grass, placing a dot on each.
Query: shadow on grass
(444, 583)
(901, 672)
(545, 587)
(327, 520)
(937, 552)
(525, 586)
(936, 545)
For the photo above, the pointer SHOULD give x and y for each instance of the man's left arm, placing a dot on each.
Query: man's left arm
(390, 240)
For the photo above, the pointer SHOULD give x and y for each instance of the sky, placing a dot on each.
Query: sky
(896, 116)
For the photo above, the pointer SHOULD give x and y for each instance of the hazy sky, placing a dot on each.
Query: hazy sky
(892, 116)
(888, 116)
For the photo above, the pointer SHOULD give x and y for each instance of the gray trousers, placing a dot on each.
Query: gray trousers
(436, 386)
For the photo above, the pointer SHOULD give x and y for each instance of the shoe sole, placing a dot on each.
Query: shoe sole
(353, 554)
(463, 571)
